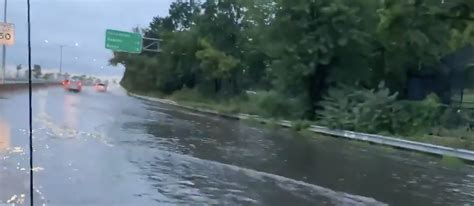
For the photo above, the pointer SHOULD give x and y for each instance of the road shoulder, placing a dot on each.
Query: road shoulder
(466, 155)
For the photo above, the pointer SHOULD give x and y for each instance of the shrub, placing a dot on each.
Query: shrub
(455, 123)
(188, 95)
(299, 125)
(452, 162)
(376, 111)
(357, 109)
(453, 118)
(273, 104)
(416, 117)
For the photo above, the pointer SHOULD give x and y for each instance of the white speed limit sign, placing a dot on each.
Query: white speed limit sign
(7, 33)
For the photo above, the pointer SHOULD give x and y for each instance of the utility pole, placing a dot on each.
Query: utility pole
(61, 58)
(4, 48)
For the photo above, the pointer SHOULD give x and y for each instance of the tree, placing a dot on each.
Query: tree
(36, 71)
(298, 48)
(18, 68)
(322, 35)
(414, 35)
(48, 76)
(218, 65)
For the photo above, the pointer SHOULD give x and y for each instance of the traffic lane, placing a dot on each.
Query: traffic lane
(76, 151)
(14, 156)
(87, 152)
(74, 160)
(168, 177)
(197, 172)
(386, 174)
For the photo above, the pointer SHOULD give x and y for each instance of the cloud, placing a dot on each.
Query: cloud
(67, 22)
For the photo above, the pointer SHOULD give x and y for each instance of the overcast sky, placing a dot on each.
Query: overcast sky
(75, 21)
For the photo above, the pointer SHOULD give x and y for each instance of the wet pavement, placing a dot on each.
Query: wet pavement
(111, 149)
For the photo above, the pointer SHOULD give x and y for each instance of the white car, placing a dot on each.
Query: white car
(101, 87)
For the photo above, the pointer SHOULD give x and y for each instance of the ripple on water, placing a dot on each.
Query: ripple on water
(190, 180)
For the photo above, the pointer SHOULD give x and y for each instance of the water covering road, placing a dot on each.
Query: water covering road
(110, 149)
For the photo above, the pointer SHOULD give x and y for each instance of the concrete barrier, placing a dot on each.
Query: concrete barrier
(372, 138)
(21, 86)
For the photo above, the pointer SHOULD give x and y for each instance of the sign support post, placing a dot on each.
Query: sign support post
(4, 48)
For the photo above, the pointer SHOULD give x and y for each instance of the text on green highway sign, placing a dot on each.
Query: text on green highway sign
(122, 41)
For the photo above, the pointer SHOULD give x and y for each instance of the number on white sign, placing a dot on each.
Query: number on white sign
(7, 33)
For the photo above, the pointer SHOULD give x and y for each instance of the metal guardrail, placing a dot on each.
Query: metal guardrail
(378, 139)
(397, 142)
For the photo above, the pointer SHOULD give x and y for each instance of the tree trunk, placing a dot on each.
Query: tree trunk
(217, 85)
(317, 88)
(235, 86)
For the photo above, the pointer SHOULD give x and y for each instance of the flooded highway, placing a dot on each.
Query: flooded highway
(111, 149)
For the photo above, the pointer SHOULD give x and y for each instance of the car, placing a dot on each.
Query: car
(73, 85)
(101, 87)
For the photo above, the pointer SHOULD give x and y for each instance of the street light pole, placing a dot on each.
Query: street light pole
(4, 48)
(61, 58)
(61, 47)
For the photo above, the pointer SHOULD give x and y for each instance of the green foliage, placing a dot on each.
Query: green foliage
(322, 33)
(188, 95)
(452, 162)
(413, 35)
(214, 62)
(229, 46)
(195, 99)
(461, 38)
(360, 110)
(376, 111)
(48, 76)
(300, 125)
(296, 51)
(274, 104)
(36, 72)
(456, 124)
(453, 118)
(417, 117)
(272, 124)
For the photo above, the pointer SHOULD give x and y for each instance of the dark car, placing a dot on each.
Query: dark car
(73, 85)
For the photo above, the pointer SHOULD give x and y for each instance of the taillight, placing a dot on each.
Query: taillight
(79, 83)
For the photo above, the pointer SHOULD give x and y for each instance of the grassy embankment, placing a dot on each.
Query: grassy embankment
(257, 105)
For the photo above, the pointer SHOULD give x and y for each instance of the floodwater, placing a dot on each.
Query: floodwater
(111, 149)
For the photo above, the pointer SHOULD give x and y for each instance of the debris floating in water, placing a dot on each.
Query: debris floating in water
(37, 169)
(17, 150)
(13, 198)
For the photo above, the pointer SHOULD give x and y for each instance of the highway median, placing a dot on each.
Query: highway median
(23, 86)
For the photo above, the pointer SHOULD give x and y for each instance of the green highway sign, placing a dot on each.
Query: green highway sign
(123, 41)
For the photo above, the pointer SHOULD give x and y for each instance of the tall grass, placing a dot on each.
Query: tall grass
(267, 104)
(452, 162)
